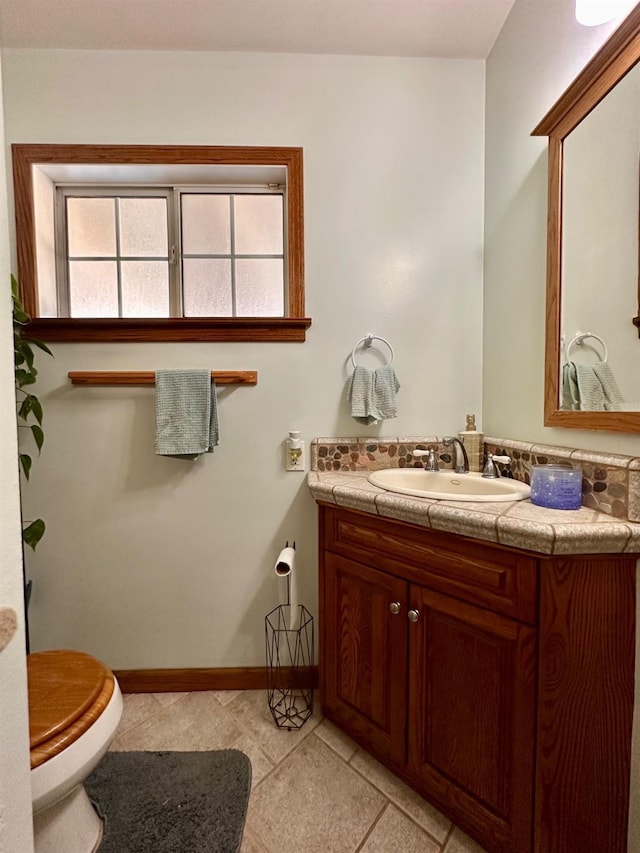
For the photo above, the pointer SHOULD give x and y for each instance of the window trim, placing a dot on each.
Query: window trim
(290, 328)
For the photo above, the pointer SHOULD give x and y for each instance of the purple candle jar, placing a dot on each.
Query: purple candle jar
(556, 486)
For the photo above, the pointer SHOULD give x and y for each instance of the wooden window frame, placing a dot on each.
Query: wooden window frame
(291, 328)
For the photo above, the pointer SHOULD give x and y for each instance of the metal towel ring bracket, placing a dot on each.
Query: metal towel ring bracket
(579, 340)
(368, 341)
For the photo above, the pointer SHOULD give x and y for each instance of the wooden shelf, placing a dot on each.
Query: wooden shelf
(148, 377)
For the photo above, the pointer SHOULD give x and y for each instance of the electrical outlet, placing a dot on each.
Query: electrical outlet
(294, 452)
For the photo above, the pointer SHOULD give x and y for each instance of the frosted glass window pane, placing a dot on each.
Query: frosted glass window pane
(258, 220)
(91, 227)
(207, 287)
(259, 288)
(145, 288)
(206, 228)
(143, 227)
(93, 289)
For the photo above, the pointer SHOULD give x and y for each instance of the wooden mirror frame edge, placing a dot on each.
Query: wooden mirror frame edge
(614, 59)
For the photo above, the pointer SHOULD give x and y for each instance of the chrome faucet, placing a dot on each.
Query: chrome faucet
(491, 470)
(432, 463)
(462, 460)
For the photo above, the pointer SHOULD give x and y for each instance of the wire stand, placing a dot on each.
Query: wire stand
(289, 664)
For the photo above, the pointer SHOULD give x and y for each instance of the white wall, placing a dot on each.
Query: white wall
(153, 562)
(539, 52)
(15, 784)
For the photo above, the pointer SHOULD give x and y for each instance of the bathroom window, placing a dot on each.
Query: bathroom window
(160, 243)
(170, 252)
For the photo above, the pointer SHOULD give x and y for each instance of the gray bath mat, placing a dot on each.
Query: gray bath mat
(172, 802)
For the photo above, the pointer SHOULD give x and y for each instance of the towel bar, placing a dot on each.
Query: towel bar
(148, 377)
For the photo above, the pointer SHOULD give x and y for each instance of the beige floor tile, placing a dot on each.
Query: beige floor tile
(419, 810)
(336, 739)
(250, 844)
(251, 709)
(137, 707)
(461, 843)
(196, 722)
(226, 696)
(166, 699)
(260, 764)
(394, 831)
(313, 802)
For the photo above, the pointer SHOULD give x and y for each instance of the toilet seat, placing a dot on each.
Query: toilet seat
(68, 691)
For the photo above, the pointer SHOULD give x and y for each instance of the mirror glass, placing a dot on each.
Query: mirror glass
(592, 344)
(599, 259)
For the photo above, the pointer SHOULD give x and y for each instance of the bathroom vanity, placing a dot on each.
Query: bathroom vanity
(496, 680)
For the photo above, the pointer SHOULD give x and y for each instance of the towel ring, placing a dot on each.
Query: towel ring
(367, 341)
(579, 340)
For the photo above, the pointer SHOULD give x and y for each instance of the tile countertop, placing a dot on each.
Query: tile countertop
(518, 524)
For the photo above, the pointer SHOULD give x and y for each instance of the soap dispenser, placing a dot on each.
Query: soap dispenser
(473, 441)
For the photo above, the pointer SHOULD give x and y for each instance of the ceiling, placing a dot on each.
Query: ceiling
(420, 28)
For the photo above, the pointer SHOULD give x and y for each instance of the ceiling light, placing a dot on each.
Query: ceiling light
(590, 13)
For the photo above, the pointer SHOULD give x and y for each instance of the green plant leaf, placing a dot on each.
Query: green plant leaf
(30, 406)
(25, 377)
(25, 462)
(25, 374)
(20, 315)
(43, 347)
(38, 436)
(33, 533)
(36, 408)
(26, 407)
(27, 352)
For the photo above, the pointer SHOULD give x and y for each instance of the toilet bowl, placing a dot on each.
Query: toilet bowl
(75, 705)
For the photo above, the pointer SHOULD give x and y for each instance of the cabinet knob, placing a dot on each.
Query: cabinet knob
(394, 607)
(413, 615)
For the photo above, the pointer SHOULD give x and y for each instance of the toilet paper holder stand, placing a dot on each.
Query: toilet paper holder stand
(289, 642)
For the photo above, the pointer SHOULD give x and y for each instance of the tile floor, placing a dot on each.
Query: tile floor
(313, 791)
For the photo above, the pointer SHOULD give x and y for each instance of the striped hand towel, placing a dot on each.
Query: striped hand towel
(186, 413)
(590, 388)
(372, 394)
(613, 399)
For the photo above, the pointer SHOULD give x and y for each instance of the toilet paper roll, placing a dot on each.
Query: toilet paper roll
(285, 568)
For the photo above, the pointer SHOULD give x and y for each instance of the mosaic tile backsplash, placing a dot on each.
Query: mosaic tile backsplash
(610, 483)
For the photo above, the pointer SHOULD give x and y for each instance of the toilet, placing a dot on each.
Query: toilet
(75, 705)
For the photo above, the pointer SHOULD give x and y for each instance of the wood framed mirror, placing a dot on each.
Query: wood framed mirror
(592, 241)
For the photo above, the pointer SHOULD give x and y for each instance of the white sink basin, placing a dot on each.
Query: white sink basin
(449, 486)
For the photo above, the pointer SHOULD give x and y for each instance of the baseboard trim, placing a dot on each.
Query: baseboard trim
(227, 678)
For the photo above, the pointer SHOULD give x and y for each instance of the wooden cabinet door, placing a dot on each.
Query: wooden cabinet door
(471, 717)
(364, 654)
